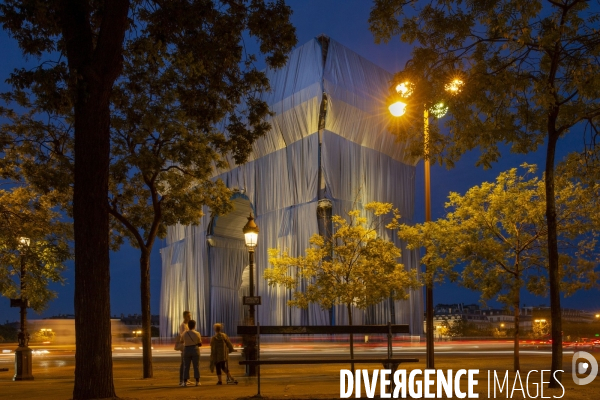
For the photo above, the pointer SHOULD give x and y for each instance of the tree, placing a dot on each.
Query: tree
(498, 232)
(353, 267)
(444, 329)
(43, 335)
(528, 73)
(584, 169)
(24, 213)
(462, 328)
(164, 144)
(540, 329)
(8, 334)
(66, 117)
(79, 45)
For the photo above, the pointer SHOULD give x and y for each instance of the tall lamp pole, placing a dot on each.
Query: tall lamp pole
(251, 236)
(398, 109)
(23, 362)
(429, 287)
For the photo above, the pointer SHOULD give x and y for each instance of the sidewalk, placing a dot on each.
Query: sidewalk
(54, 379)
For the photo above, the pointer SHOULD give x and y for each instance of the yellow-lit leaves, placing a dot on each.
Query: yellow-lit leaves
(354, 266)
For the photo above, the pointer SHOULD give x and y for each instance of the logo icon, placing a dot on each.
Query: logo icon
(590, 365)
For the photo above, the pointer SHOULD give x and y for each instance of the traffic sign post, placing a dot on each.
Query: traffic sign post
(251, 300)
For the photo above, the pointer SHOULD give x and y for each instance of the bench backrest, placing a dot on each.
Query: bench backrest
(322, 329)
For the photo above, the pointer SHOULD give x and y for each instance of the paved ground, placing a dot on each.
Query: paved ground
(54, 378)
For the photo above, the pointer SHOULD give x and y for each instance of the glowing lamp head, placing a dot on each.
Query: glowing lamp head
(24, 241)
(404, 89)
(251, 233)
(455, 86)
(439, 110)
(397, 109)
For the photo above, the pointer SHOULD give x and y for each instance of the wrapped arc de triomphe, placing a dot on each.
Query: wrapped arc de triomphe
(328, 147)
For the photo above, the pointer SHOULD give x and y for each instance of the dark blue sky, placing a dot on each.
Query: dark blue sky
(345, 21)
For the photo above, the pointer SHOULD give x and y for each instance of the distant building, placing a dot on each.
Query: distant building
(134, 322)
(449, 313)
(503, 318)
(62, 316)
(568, 314)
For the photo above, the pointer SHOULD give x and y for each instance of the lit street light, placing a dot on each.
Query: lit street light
(23, 362)
(398, 109)
(251, 237)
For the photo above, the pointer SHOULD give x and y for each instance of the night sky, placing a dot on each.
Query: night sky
(345, 21)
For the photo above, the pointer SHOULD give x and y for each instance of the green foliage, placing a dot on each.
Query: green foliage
(528, 70)
(188, 99)
(353, 267)
(584, 169)
(462, 328)
(186, 73)
(8, 334)
(540, 329)
(529, 74)
(25, 214)
(497, 231)
(42, 335)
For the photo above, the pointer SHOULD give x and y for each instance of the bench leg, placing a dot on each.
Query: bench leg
(393, 367)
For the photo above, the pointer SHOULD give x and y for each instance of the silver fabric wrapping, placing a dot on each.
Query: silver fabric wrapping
(204, 273)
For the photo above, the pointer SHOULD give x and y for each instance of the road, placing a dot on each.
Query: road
(64, 354)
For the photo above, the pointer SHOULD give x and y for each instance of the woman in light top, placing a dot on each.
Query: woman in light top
(191, 352)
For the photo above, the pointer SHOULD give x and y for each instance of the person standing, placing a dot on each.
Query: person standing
(191, 352)
(220, 347)
(183, 328)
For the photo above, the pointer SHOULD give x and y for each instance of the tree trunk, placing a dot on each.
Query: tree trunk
(517, 306)
(553, 266)
(146, 315)
(93, 356)
(349, 307)
(95, 61)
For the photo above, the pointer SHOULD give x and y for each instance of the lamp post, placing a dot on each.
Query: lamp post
(398, 109)
(23, 362)
(251, 236)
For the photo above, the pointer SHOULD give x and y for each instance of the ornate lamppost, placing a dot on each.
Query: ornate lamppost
(23, 362)
(398, 109)
(251, 236)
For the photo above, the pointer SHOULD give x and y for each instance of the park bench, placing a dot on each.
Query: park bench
(388, 363)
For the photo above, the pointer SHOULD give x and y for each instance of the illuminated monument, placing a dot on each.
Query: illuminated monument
(328, 141)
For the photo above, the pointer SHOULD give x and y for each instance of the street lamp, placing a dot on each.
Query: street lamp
(398, 109)
(23, 362)
(251, 237)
